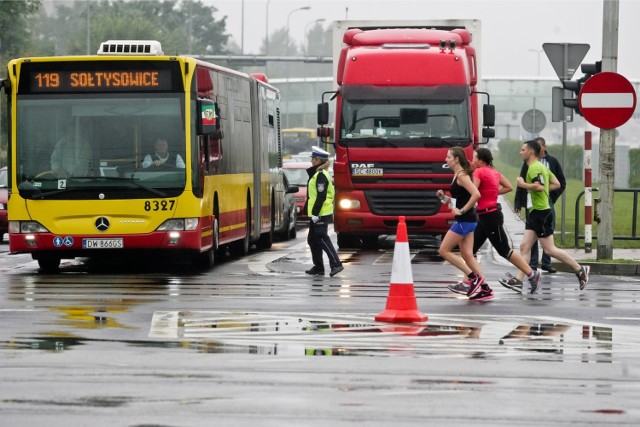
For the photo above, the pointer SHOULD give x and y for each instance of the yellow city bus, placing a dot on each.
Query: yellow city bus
(97, 194)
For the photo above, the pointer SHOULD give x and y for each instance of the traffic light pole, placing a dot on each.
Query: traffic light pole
(610, 16)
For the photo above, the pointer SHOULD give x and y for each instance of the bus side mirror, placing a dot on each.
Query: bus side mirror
(207, 122)
(488, 115)
(323, 113)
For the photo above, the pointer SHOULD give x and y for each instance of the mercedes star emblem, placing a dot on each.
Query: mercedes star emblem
(102, 224)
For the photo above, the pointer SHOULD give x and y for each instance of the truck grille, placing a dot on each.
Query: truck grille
(393, 174)
(402, 202)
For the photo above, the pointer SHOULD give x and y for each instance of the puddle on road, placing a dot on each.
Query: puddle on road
(350, 335)
(340, 335)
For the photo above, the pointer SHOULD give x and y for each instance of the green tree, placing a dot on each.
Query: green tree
(182, 27)
(14, 41)
(319, 41)
(14, 28)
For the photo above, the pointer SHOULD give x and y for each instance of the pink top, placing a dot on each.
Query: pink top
(489, 188)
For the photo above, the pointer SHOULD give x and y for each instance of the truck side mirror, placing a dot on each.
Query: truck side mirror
(323, 113)
(488, 133)
(488, 115)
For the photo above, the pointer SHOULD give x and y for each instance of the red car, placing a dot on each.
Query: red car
(296, 173)
(4, 197)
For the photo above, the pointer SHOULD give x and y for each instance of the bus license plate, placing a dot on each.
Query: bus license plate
(102, 244)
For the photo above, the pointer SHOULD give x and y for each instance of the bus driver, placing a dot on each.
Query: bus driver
(162, 156)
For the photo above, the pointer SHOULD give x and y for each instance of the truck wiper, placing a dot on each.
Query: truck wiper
(433, 141)
(372, 140)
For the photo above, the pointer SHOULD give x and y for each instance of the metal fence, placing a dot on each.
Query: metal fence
(634, 216)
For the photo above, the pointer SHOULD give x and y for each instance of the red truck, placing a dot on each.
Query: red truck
(404, 97)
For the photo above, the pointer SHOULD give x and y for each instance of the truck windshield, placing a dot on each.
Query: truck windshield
(80, 144)
(404, 123)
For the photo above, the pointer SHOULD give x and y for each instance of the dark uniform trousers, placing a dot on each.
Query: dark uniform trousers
(318, 240)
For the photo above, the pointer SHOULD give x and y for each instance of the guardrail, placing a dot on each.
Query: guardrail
(634, 234)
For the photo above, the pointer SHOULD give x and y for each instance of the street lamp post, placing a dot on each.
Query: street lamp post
(291, 13)
(287, 41)
(304, 98)
(538, 51)
(266, 34)
(316, 21)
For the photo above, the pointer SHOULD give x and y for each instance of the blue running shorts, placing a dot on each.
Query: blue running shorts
(463, 228)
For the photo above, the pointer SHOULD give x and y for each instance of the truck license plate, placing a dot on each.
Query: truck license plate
(102, 244)
(367, 172)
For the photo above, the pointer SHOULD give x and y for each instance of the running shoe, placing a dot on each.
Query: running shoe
(475, 284)
(461, 287)
(534, 281)
(583, 276)
(483, 295)
(511, 282)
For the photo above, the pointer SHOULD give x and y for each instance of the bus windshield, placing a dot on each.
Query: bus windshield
(404, 123)
(68, 147)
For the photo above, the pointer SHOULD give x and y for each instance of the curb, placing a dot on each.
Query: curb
(601, 268)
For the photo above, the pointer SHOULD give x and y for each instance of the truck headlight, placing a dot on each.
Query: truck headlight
(349, 204)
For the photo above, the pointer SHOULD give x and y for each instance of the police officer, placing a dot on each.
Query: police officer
(319, 207)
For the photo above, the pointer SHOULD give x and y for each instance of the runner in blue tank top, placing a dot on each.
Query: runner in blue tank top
(460, 234)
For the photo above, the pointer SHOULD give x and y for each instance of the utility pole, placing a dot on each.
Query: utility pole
(610, 17)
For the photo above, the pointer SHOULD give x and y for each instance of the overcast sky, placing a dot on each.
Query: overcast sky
(512, 31)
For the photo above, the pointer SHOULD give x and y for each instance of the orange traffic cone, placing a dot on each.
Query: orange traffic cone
(401, 302)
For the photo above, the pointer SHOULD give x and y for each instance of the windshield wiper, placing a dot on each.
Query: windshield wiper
(101, 178)
(371, 140)
(133, 181)
(39, 195)
(428, 141)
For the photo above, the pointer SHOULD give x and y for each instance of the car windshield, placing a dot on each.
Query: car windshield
(3, 178)
(80, 144)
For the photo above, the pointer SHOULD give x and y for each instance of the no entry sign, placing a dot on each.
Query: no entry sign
(607, 100)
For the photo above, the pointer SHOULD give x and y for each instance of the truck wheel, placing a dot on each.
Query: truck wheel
(348, 241)
(370, 242)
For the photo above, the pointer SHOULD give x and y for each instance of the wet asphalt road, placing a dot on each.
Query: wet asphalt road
(255, 341)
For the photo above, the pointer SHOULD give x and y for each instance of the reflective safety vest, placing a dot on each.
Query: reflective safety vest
(312, 190)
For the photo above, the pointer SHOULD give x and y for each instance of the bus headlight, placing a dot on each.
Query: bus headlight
(179, 224)
(190, 223)
(26, 227)
(349, 204)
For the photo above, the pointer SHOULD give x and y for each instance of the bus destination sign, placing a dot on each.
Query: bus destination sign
(99, 81)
